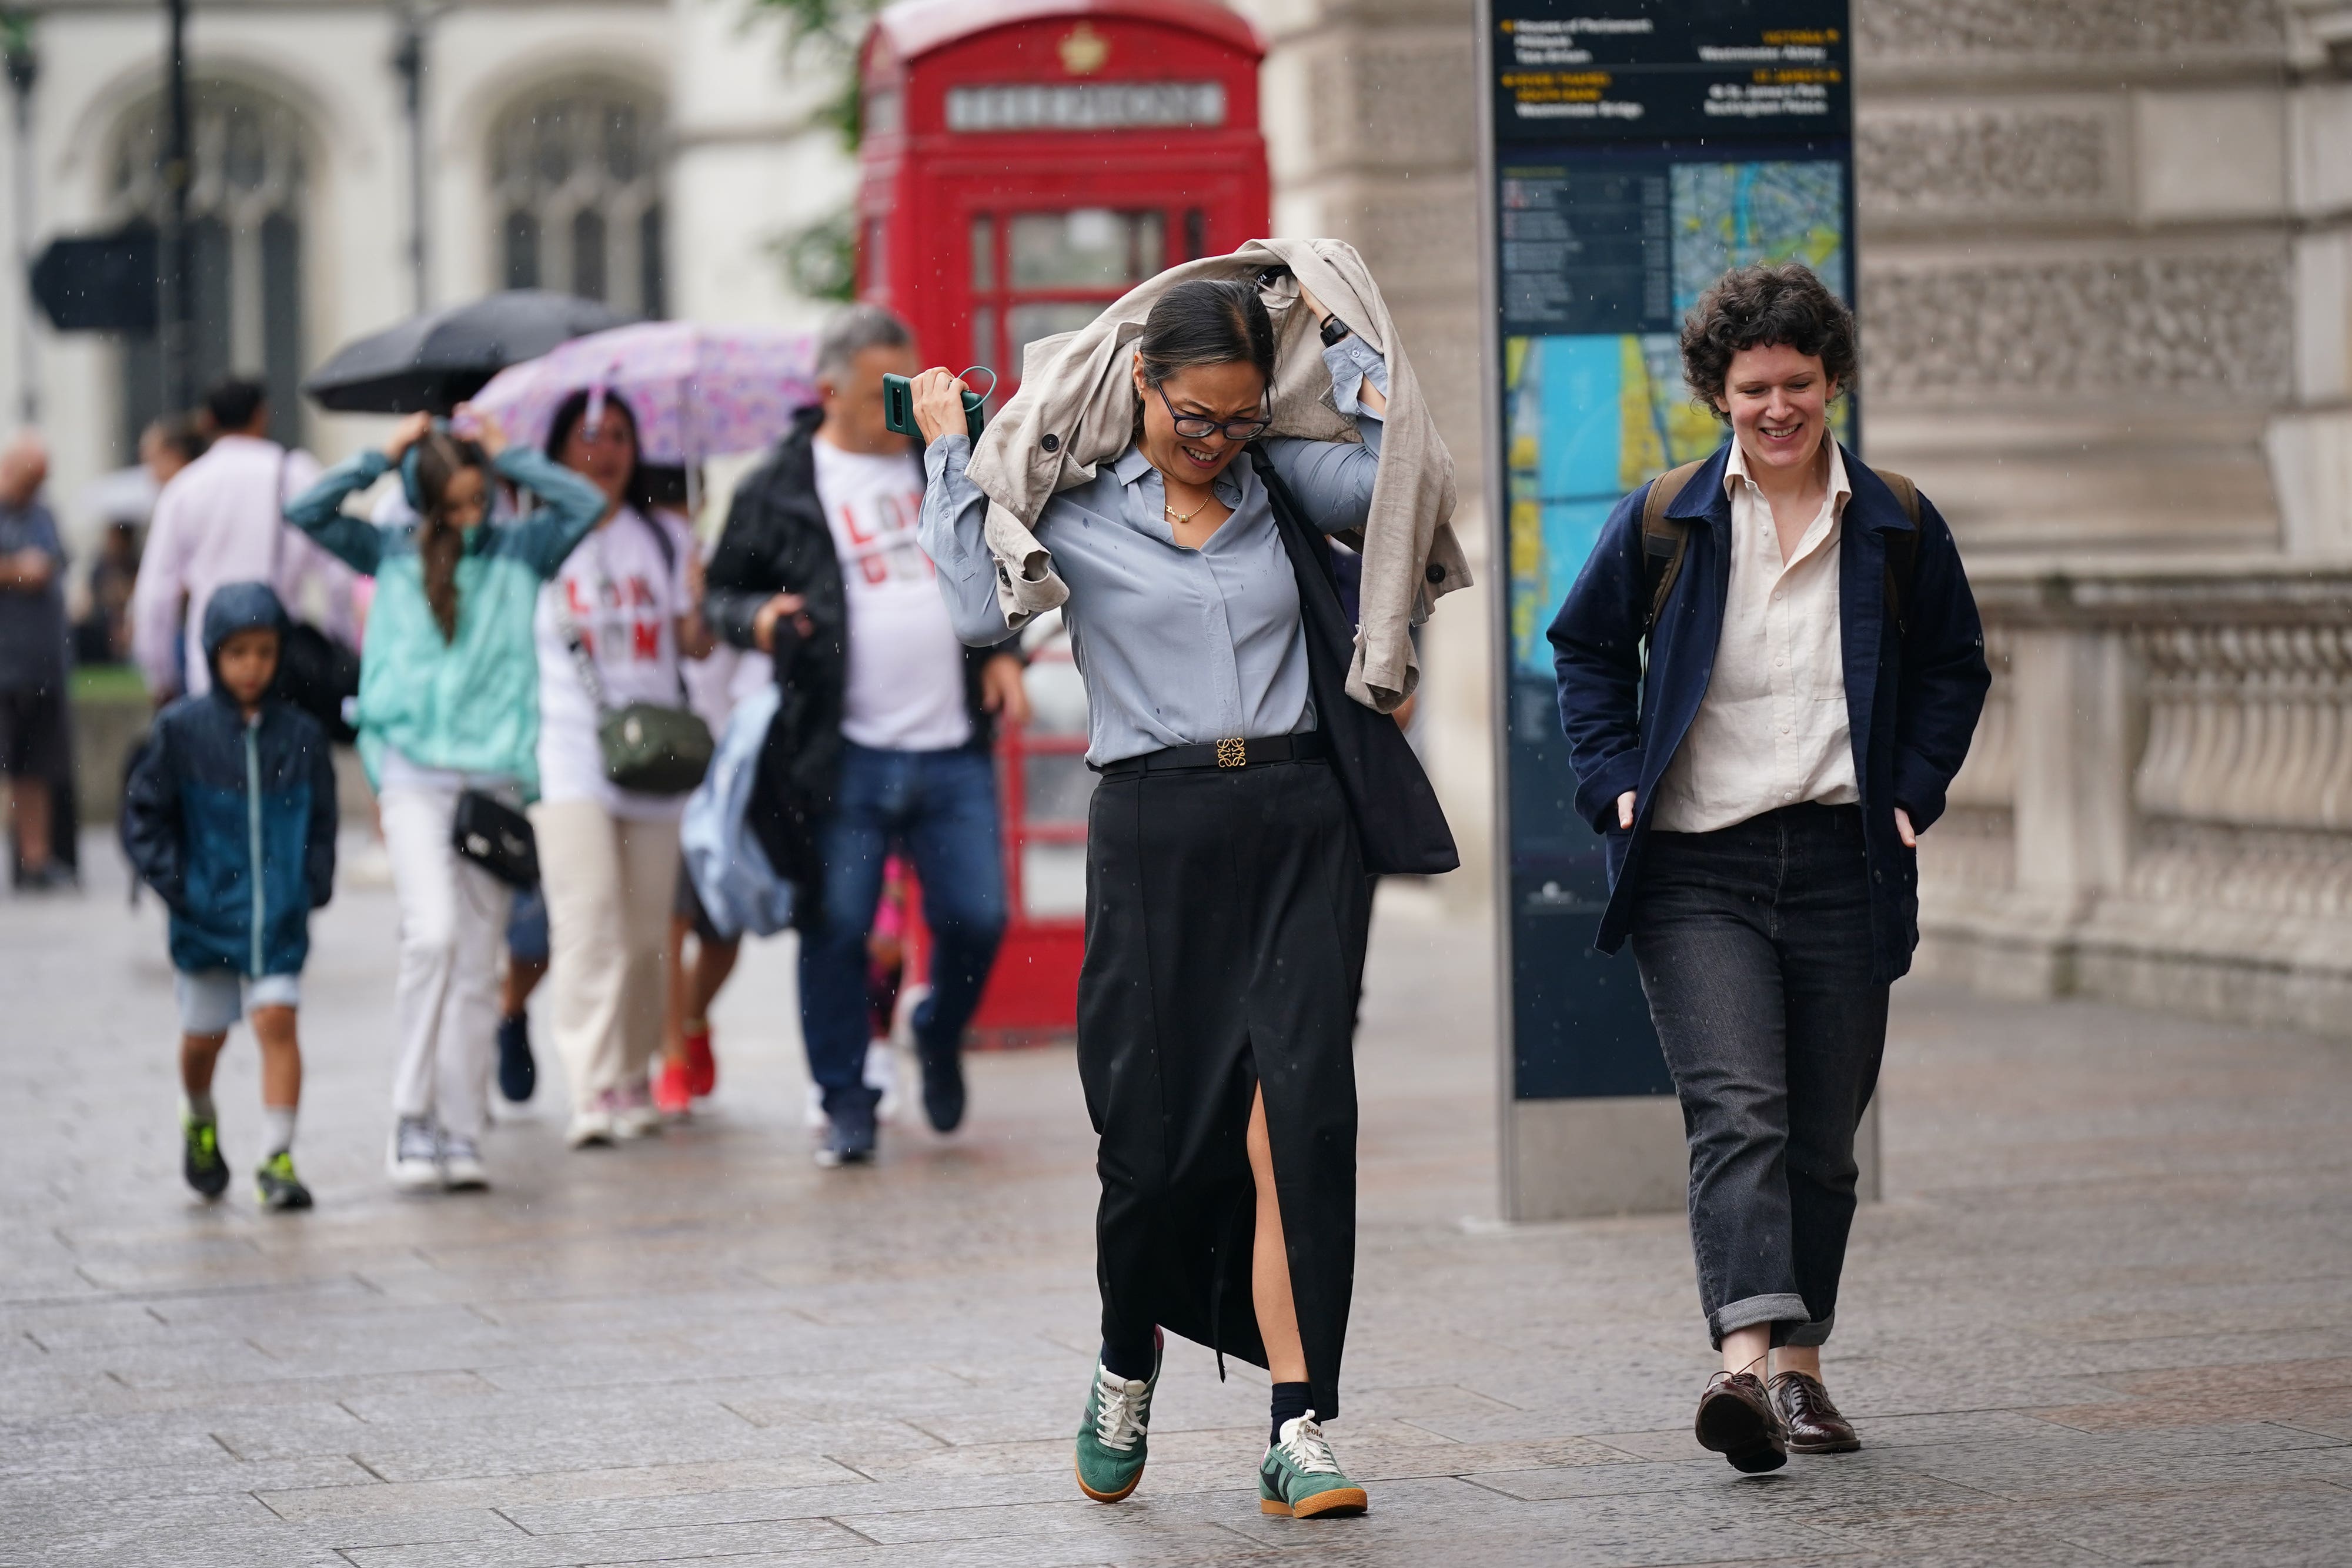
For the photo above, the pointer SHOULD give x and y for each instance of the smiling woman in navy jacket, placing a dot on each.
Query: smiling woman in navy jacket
(1814, 670)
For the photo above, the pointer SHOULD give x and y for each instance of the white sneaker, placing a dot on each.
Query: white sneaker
(461, 1164)
(815, 1116)
(882, 1074)
(413, 1161)
(592, 1128)
(634, 1115)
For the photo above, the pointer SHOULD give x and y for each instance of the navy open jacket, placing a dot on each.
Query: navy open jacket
(232, 822)
(1912, 693)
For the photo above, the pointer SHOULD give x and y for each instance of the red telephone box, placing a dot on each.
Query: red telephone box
(1027, 162)
(1024, 164)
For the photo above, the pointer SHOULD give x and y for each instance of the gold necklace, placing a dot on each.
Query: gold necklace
(1180, 519)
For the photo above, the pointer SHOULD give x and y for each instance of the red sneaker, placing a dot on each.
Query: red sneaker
(701, 1067)
(670, 1095)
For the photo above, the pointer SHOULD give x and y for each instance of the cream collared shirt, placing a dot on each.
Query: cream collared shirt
(1771, 731)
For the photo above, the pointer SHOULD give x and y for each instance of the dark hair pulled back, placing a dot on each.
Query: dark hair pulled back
(440, 458)
(1207, 321)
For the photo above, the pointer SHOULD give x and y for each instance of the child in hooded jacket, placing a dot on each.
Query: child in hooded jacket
(230, 817)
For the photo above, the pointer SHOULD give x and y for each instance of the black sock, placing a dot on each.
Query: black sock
(1290, 1402)
(1130, 1362)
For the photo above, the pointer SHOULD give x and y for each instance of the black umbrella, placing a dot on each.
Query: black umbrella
(432, 362)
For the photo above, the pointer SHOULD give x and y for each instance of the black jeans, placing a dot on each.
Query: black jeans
(1754, 946)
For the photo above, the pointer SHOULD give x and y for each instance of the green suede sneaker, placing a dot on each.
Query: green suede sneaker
(1298, 1478)
(200, 1156)
(277, 1186)
(1114, 1434)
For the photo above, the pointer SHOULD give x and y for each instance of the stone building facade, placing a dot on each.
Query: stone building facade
(2106, 295)
(2105, 281)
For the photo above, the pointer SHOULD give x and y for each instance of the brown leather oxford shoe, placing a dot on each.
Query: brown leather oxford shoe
(1736, 1419)
(1813, 1424)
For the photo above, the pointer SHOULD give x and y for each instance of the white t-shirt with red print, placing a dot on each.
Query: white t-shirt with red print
(625, 596)
(905, 663)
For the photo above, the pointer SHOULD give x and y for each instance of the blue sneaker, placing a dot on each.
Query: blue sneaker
(849, 1133)
(518, 1073)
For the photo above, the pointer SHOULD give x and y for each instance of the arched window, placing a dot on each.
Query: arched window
(244, 242)
(575, 179)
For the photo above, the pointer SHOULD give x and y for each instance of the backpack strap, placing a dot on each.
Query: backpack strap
(1902, 551)
(1664, 540)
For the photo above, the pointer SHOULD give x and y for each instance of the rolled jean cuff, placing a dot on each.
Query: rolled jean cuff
(1807, 1335)
(1749, 1310)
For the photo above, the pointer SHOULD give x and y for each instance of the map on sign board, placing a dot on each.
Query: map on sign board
(1589, 416)
(1737, 214)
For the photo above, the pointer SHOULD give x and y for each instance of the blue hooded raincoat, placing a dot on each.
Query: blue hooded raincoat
(232, 820)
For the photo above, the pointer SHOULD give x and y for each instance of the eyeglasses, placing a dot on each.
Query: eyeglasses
(1193, 426)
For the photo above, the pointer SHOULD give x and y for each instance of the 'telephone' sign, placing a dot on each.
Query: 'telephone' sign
(1639, 149)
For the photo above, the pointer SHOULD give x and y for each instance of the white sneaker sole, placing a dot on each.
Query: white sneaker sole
(413, 1175)
(591, 1132)
(464, 1176)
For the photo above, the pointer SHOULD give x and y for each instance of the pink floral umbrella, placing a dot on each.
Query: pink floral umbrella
(696, 391)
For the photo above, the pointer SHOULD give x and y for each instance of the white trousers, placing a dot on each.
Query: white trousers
(611, 883)
(453, 922)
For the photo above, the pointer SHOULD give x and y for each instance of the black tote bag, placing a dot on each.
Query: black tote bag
(1399, 822)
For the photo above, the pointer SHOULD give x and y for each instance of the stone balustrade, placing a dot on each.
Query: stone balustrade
(2158, 807)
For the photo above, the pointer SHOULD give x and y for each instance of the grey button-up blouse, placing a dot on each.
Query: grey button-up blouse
(1178, 646)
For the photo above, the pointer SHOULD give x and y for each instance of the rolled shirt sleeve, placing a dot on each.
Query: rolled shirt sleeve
(953, 533)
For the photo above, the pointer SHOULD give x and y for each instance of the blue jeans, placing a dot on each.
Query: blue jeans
(941, 805)
(1754, 946)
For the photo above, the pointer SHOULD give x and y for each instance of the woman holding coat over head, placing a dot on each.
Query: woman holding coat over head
(1227, 903)
(1768, 672)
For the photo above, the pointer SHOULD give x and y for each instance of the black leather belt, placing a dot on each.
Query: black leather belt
(1227, 755)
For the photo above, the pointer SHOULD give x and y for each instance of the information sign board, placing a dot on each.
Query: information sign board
(1637, 149)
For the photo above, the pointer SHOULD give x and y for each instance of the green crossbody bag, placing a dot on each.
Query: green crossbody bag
(650, 749)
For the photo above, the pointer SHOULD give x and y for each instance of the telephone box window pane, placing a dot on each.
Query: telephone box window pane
(878, 272)
(983, 254)
(1090, 247)
(983, 338)
(1149, 235)
(1196, 234)
(1027, 323)
(1053, 879)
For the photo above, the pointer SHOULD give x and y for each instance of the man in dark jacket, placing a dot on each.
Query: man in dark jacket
(35, 754)
(230, 817)
(883, 736)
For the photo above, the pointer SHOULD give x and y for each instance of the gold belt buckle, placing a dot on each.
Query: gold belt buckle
(1234, 753)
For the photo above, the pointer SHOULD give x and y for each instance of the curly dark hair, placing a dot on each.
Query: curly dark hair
(1749, 305)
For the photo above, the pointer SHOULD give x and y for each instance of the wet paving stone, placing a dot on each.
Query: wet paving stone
(2100, 1318)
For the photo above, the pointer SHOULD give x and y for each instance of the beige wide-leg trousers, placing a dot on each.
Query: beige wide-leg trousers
(610, 885)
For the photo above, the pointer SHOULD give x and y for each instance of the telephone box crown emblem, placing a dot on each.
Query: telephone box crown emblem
(1084, 50)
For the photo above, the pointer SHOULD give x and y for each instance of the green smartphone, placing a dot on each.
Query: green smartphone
(898, 406)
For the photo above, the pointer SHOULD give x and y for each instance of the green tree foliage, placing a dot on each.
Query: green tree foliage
(819, 261)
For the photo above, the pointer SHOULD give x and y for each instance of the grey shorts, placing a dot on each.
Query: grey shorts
(210, 998)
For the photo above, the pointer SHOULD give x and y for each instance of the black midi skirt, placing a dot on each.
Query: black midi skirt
(1226, 918)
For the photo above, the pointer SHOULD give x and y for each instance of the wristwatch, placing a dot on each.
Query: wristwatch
(1334, 329)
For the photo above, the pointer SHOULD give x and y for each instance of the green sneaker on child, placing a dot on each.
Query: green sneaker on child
(277, 1186)
(199, 1155)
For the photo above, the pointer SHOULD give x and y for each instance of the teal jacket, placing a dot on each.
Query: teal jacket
(469, 703)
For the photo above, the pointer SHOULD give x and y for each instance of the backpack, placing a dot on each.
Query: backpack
(1665, 540)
